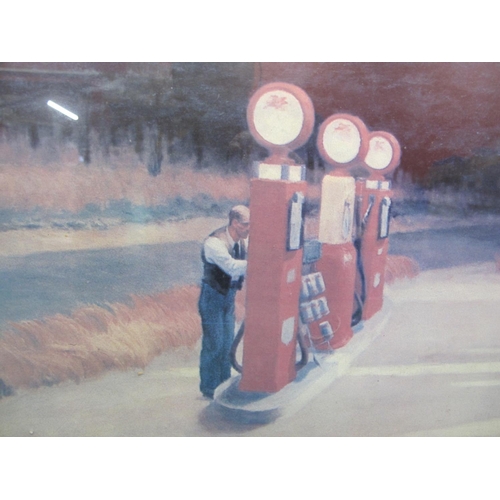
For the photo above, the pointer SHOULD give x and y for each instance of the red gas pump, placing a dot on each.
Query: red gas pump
(374, 195)
(342, 142)
(281, 118)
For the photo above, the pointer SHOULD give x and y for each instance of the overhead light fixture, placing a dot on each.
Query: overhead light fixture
(62, 110)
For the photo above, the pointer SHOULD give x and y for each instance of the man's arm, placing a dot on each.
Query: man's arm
(216, 253)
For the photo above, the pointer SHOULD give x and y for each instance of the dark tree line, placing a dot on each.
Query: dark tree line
(193, 111)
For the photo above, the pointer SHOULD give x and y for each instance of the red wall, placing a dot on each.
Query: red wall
(434, 109)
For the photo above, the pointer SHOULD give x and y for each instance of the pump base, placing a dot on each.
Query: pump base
(340, 341)
(323, 368)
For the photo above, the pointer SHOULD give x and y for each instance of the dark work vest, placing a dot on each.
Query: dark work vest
(213, 275)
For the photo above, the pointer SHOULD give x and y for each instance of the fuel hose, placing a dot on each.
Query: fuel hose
(304, 354)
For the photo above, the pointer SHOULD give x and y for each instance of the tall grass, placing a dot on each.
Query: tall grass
(28, 182)
(95, 339)
(400, 267)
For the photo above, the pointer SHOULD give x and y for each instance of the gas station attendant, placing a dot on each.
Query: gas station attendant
(224, 267)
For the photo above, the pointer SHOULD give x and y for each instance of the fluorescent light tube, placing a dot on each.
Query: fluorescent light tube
(62, 110)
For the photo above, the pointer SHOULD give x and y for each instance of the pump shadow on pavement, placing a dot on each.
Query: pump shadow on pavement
(214, 419)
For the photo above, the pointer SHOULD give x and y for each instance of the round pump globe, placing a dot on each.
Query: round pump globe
(280, 116)
(342, 140)
(384, 152)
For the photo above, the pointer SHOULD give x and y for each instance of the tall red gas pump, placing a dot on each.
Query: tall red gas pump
(342, 142)
(374, 195)
(280, 118)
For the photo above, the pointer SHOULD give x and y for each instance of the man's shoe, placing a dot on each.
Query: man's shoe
(208, 395)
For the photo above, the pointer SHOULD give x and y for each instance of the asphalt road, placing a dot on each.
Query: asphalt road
(442, 248)
(42, 284)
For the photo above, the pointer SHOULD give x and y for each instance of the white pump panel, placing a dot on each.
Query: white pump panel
(337, 209)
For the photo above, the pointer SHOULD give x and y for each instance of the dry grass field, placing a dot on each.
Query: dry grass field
(71, 186)
(95, 339)
(400, 266)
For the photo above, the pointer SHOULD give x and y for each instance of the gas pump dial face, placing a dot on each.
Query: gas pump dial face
(383, 152)
(280, 115)
(342, 139)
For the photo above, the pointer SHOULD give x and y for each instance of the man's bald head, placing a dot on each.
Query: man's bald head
(239, 222)
(241, 213)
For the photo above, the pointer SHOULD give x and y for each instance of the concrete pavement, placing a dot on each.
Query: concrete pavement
(434, 371)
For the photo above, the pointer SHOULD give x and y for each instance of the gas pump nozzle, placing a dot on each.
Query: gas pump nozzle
(371, 202)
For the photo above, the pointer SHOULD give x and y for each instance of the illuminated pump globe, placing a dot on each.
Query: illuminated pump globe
(280, 117)
(384, 153)
(342, 140)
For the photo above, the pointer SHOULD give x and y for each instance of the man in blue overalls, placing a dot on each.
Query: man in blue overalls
(224, 267)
